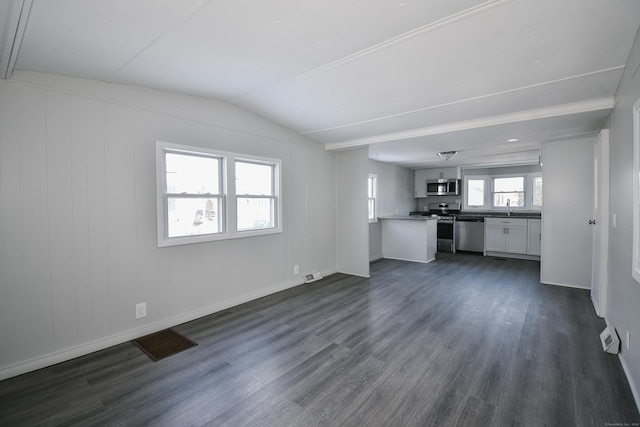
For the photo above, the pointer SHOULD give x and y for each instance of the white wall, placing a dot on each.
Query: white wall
(623, 298)
(395, 197)
(567, 208)
(77, 216)
(351, 212)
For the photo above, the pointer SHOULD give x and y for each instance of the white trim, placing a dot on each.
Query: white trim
(520, 116)
(16, 27)
(634, 390)
(228, 210)
(488, 193)
(374, 198)
(635, 260)
(102, 343)
(564, 285)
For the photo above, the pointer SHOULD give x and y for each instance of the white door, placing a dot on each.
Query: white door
(566, 211)
(600, 223)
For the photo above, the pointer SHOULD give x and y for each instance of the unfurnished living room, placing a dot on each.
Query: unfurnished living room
(364, 213)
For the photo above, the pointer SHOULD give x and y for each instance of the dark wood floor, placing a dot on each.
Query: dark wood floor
(465, 340)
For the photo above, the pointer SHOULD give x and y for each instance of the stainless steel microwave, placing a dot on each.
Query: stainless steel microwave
(443, 187)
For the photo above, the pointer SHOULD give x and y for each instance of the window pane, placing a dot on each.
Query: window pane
(372, 208)
(537, 191)
(475, 192)
(515, 183)
(192, 174)
(515, 199)
(255, 213)
(254, 178)
(193, 216)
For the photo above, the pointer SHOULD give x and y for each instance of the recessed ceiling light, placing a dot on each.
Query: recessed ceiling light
(513, 140)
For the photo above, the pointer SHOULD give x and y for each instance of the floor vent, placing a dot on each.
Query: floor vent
(163, 344)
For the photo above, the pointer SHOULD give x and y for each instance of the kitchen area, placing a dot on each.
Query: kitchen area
(492, 211)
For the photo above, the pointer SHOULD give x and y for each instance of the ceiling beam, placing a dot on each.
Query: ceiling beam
(520, 116)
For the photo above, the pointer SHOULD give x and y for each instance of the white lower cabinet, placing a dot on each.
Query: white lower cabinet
(505, 235)
(534, 245)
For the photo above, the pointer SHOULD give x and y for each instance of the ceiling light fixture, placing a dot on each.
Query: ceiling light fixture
(446, 155)
(513, 140)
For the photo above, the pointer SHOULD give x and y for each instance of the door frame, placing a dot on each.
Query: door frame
(600, 249)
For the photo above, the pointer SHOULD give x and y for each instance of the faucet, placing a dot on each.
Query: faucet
(508, 207)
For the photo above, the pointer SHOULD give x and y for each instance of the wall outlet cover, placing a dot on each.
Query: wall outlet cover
(141, 310)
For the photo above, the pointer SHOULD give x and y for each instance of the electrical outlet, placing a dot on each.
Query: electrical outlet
(296, 270)
(141, 310)
(628, 340)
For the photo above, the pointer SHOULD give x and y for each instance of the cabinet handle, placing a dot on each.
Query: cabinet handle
(592, 222)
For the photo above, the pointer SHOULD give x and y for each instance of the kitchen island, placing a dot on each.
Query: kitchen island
(409, 238)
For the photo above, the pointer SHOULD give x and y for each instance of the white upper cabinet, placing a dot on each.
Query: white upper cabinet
(444, 173)
(420, 183)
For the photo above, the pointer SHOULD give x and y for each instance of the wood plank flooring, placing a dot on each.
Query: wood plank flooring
(465, 340)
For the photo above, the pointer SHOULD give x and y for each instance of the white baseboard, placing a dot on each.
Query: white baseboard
(634, 389)
(596, 307)
(563, 285)
(102, 343)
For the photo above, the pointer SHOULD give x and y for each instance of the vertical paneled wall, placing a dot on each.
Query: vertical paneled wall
(623, 297)
(78, 221)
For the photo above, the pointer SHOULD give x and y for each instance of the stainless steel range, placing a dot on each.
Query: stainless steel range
(446, 214)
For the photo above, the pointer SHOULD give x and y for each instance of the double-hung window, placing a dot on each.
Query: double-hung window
(493, 192)
(193, 198)
(196, 204)
(508, 190)
(372, 190)
(256, 195)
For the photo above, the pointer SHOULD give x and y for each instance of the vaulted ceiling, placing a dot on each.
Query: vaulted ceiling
(407, 78)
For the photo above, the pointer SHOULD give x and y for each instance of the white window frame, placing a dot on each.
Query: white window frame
(635, 261)
(488, 192)
(531, 196)
(229, 199)
(492, 191)
(275, 197)
(373, 179)
(484, 178)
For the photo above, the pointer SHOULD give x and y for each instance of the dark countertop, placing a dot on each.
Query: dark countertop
(497, 214)
(407, 217)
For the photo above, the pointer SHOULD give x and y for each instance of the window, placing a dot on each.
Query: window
(536, 190)
(372, 184)
(193, 194)
(508, 190)
(491, 192)
(475, 192)
(256, 195)
(194, 203)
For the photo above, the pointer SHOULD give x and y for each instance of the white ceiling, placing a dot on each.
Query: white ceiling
(407, 78)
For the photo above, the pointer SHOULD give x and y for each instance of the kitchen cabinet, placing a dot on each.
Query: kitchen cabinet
(444, 173)
(420, 183)
(534, 243)
(409, 238)
(506, 235)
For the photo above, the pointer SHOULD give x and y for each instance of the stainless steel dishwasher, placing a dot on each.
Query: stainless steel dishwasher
(469, 233)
